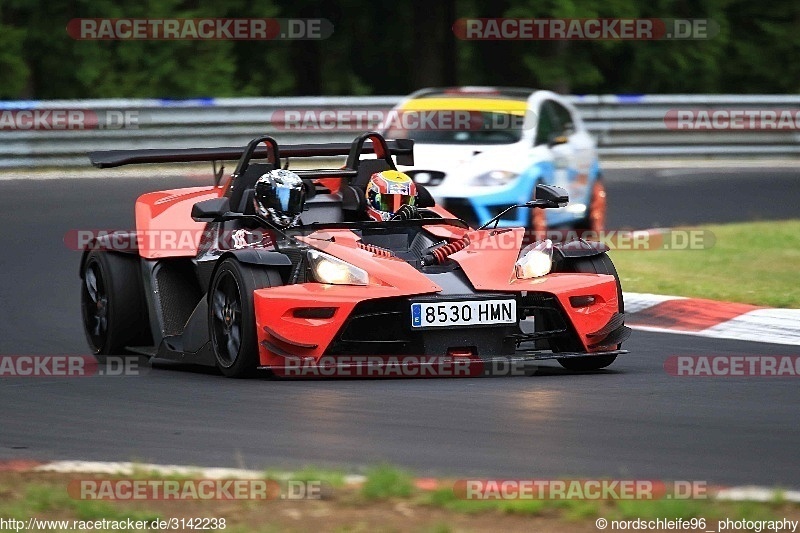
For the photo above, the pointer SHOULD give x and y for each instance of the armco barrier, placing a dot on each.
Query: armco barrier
(625, 126)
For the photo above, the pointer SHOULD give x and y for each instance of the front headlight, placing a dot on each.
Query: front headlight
(535, 260)
(494, 178)
(329, 269)
(423, 178)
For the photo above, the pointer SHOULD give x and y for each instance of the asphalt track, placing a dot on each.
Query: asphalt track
(632, 421)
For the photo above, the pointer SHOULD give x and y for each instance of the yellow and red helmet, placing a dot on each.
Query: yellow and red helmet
(387, 192)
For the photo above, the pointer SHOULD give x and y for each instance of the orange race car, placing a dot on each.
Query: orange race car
(340, 269)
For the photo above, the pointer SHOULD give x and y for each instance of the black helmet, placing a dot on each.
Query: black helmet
(280, 197)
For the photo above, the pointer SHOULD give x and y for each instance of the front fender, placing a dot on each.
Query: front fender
(258, 256)
(122, 242)
(580, 248)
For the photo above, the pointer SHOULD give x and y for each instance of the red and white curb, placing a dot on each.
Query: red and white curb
(744, 493)
(709, 318)
(149, 469)
(131, 469)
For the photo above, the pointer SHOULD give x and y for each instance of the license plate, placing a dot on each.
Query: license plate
(463, 313)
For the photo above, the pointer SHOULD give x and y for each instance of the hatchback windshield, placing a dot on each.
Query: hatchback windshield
(456, 127)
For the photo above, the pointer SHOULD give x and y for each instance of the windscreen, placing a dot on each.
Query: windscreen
(457, 127)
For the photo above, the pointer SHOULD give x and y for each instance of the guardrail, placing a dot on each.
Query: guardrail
(636, 126)
(625, 126)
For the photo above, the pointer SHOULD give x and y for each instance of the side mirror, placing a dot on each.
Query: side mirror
(555, 140)
(211, 210)
(554, 196)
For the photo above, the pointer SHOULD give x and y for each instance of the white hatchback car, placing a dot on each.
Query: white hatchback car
(480, 149)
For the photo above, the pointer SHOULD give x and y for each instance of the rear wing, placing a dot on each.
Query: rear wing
(263, 147)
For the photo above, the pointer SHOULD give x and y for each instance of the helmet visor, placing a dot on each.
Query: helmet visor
(392, 202)
(289, 199)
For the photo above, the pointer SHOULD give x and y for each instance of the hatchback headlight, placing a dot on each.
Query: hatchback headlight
(494, 178)
(329, 269)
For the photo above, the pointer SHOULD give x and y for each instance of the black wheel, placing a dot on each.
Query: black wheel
(113, 303)
(598, 264)
(231, 320)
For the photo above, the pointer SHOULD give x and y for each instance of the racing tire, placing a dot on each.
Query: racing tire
(598, 264)
(595, 220)
(231, 315)
(113, 307)
(538, 225)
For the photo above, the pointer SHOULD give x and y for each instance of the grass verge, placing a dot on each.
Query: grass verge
(389, 499)
(753, 263)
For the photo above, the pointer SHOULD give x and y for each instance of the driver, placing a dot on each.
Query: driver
(280, 197)
(391, 195)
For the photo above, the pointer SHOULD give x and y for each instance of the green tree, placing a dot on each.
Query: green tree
(394, 48)
(12, 62)
(761, 54)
